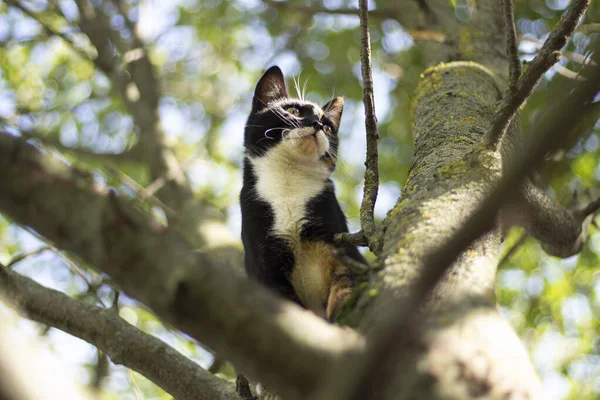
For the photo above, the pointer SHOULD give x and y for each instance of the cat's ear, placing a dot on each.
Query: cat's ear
(269, 88)
(333, 109)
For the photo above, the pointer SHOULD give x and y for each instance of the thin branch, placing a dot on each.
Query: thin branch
(379, 13)
(514, 64)
(513, 249)
(432, 36)
(547, 57)
(216, 365)
(356, 267)
(547, 136)
(590, 209)
(162, 180)
(127, 155)
(20, 257)
(290, 43)
(51, 31)
(368, 235)
(589, 28)
(371, 182)
(569, 55)
(121, 341)
(316, 9)
(567, 73)
(139, 395)
(143, 194)
(101, 370)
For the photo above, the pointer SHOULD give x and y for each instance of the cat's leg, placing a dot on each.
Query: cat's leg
(340, 288)
(277, 264)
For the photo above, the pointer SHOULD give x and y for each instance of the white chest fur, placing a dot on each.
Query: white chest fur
(287, 184)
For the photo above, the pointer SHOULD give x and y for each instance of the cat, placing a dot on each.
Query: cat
(290, 213)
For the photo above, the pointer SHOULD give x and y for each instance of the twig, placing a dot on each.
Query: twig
(115, 302)
(546, 137)
(74, 268)
(144, 194)
(100, 370)
(21, 257)
(162, 180)
(291, 41)
(354, 266)
(513, 249)
(127, 155)
(567, 73)
(569, 55)
(589, 28)
(316, 9)
(51, 31)
(139, 395)
(514, 65)
(70, 264)
(548, 56)
(371, 184)
(356, 239)
(433, 36)
(590, 209)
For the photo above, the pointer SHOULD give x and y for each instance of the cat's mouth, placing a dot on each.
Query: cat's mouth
(308, 141)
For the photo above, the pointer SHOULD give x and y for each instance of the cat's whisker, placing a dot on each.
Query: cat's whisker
(297, 86)
(273, 129)
(285, 117)
(297, 79)
(279, 113)
(304, 89)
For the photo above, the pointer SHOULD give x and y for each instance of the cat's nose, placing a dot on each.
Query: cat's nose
(317, 124)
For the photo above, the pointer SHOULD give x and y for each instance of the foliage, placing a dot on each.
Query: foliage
(209, 54)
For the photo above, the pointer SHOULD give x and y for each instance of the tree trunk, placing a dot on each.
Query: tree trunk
(460, 346)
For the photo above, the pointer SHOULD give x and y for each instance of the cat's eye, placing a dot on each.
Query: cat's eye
(294, 111)
(327, 129)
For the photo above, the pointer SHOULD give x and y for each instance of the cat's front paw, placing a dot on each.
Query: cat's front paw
(338, 295)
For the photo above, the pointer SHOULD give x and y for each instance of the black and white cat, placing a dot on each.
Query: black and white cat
(289, 210)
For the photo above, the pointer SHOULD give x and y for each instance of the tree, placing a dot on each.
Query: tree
(425, 313)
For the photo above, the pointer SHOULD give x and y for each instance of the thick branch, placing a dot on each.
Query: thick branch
(200, 292)
(122, 342)
(546, 137)
(547, 57)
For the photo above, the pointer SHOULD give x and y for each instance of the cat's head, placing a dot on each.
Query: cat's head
(296, 129)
